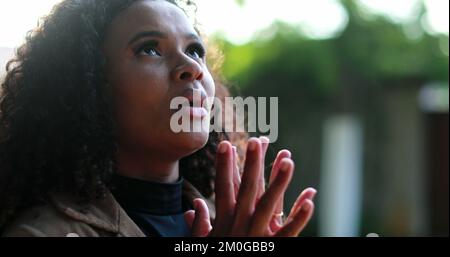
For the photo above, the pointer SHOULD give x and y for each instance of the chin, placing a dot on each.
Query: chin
(191, 142)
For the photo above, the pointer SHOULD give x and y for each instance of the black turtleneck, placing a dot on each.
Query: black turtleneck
(157, 208)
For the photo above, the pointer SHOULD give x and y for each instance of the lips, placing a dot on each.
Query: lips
(196, 97)
(197, 112)
(197, 102)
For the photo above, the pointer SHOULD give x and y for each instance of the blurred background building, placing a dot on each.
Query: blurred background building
(363, 101)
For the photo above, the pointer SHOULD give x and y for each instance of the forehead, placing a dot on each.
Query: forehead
(150, 15)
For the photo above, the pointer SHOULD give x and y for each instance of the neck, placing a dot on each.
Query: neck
(148, 168)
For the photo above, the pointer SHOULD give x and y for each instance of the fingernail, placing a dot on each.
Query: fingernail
(223, 148)
(285, 165)
(306, 207)
(264, 140)
(252, 145)
(197, 204)
(313, 195)
(287, 151)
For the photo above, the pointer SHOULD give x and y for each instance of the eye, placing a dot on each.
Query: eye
(149, 49)
(196, 51)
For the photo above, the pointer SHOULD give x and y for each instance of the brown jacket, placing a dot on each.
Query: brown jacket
(64, 217)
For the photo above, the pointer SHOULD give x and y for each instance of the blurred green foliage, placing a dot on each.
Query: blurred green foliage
(353, 72)
(371, 51)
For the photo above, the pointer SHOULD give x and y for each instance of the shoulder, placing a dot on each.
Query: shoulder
(46, 221)
(64, 215)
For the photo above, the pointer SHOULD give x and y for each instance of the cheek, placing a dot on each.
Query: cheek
(140, 87)
(129, 110)
(139, 98)
(208, 83)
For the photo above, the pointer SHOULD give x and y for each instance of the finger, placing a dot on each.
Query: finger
(265, 208)
(224, 188)
(273, 174)
(189, 217)
(308, 193)
(298, 223)
(201, 225)
(236, 173)
(262, 181)
(276, 165)
(247, 192)
(276, 223)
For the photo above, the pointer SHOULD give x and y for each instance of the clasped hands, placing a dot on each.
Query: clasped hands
(244, 207)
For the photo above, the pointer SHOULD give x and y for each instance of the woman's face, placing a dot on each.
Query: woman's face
(154, 55)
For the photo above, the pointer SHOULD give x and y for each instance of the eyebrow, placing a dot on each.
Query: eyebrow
(159, 34)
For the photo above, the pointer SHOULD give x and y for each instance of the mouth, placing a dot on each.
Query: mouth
(196, 97)
(197, 112)
(197, 103)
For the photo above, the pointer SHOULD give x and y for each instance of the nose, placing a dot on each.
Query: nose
(187, 70)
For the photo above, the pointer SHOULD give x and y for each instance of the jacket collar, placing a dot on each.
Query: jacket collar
(106, 213)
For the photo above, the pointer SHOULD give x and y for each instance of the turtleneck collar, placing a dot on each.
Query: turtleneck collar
(148, 197)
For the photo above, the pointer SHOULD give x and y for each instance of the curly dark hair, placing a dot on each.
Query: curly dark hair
(57, 132)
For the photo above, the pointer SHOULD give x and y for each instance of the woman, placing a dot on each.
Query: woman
(85, 143)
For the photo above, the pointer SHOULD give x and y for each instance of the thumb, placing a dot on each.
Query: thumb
(198, 220)
(189, 217)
